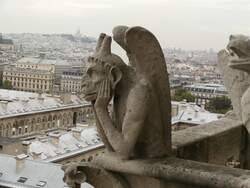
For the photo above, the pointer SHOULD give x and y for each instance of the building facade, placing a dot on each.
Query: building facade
(204, 92)
(27, 79)
(36, 64)
(6, 44)
(24, 114)
(71, 81)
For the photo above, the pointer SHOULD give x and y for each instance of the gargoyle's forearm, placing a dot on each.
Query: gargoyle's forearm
(114, 136)
(102, 134)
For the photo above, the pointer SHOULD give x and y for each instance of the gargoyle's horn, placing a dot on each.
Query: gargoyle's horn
(99, 42)
(119, 33)
(106, 46)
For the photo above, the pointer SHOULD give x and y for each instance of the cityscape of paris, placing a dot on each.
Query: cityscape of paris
(124, 94)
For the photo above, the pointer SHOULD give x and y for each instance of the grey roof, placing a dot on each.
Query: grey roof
(56, 62)
(16, 103)
(207, 86)
(6, 141)
(191, 113)
(62, 144)
(12, 169)
(6, 41)
(10, 68)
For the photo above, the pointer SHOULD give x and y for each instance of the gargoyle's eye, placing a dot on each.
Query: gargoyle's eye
(89, 71)
(91, 59)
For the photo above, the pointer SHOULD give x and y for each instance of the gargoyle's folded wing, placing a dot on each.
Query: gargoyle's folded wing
(234, 80)
(148, 59)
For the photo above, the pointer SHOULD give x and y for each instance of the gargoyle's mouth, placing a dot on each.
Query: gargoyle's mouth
(237, 52)
(238, 56)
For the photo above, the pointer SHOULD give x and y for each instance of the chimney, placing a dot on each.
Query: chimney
(40, 97)
(36, 155)
(55, 137)
(20, 162)
(25, 146)
(66, 98)
(77, 132)
(4, 104)
(196, 113)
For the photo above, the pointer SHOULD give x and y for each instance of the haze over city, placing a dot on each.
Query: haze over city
(188, 24)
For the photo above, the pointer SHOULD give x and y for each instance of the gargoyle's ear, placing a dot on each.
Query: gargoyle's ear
(115, 75)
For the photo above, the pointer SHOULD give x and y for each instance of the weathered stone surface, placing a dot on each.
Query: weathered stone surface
(215, 142)
(140, 125)
(181, 173)
(138, 135)
(235, 81)
(235, 67)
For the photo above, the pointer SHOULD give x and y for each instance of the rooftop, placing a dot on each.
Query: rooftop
(37, 60)
(25, 173)
(62, 144)
(10, 68)
(191, 113)
(15, 103)
(207, 86)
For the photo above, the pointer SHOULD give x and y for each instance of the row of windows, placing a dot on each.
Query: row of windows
(204, 95)
(206, 90)
(71, 87)
(33, 86)
(28, 66)
(27, 75)
(26, 80)
(19, 127)
(71, 82)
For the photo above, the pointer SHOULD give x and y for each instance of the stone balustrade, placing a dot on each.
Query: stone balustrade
(203, 156)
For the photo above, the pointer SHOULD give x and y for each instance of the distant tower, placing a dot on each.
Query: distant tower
(78, 33)
(21, 50)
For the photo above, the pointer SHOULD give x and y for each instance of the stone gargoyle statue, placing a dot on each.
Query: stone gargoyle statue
(140, 124)
(234, 65)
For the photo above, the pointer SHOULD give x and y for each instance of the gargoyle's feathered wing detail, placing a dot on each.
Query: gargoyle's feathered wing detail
(147, 58)
(234, 80)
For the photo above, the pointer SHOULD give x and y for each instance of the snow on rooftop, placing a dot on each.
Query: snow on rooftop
(193, 114)
(49, 147)
(32, 172)
(13, 103)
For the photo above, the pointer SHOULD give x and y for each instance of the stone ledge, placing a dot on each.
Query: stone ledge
(177, 170)
(198, 133)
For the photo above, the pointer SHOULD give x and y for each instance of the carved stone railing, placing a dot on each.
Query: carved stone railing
(174, 172)
(199, 159)
(217, 142)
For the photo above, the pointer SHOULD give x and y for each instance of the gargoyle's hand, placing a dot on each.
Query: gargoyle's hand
(73, 176)
(104, 95)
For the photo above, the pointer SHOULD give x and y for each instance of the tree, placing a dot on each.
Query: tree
(181, 94)
(7, 84)
(219, 105)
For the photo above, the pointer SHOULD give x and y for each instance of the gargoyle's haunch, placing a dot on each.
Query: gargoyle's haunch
(234, 65)
(140, 125)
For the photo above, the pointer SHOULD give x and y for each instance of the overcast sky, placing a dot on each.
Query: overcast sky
(188, 24)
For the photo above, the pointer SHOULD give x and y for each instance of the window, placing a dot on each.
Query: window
(26, 129)
(20, 130)
(22, 179)
(41, 183)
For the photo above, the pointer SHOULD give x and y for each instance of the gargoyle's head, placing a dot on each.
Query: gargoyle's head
(239, 48)
(102, 65)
